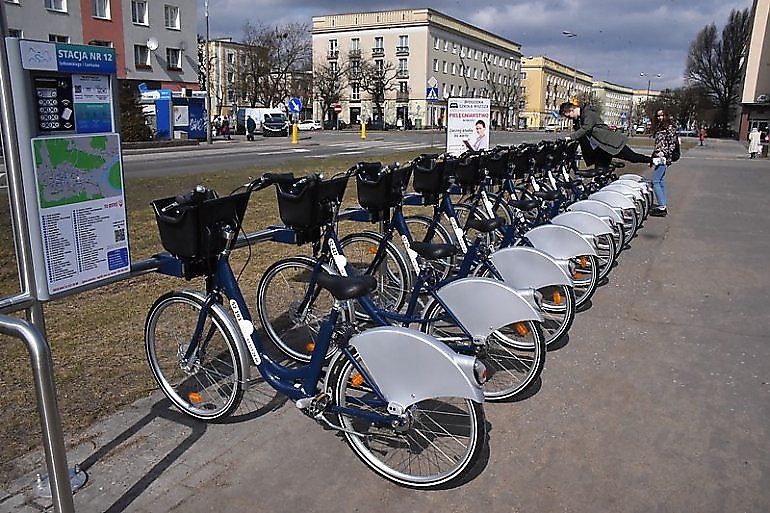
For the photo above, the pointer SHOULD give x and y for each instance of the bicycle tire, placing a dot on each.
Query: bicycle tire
(209, 388)
(514, 354)
(393, 274)
(442, 443)
(463, 210)
(606, 253)
(279, 294)
(585, 278)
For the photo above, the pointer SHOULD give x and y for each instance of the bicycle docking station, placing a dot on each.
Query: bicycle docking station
(68, 210)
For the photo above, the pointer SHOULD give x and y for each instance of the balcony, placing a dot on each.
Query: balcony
(402, 73)
(378, 52)
(355, 74)
(402, 96)
(402, 50)
(332, 54)
(355, 53)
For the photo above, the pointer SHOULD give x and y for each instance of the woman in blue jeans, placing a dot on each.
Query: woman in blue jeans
(665, 142)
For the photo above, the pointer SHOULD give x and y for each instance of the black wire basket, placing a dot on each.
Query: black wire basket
(379, 188)
(431, 176)
(193, 232)
(310, 203)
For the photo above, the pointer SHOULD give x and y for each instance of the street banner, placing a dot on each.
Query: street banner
(467, 125)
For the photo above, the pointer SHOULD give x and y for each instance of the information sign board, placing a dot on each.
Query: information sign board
(467, 124)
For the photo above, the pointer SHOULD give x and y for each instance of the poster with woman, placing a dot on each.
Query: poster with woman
(467, 125)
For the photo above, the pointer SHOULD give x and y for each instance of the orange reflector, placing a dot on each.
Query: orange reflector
(521, 329)
(372, 250)
(310, 346)
(357, 379)
(557, 297)
(578, 276)
(583, 261)
(195, 397)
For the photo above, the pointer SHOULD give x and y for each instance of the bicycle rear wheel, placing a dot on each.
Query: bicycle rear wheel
(585, 278)
(210, 385)
(291, 323)
(439, 441)
(514, 355)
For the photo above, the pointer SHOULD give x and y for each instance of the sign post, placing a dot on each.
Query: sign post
(295, 106)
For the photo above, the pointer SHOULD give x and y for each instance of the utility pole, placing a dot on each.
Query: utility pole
(208, 78)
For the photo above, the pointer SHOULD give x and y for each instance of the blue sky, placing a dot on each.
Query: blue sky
(616, 39)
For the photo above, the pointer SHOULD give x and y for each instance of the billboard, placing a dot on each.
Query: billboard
(467, 125)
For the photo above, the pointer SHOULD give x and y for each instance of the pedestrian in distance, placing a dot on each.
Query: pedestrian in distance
(598, 143)
(225, 130)
(754, 142)
(765, 142)
(665, 142)
(702, 136)
(251, 127)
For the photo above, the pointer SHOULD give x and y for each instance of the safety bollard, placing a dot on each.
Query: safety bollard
(363, 130)
(294, 133)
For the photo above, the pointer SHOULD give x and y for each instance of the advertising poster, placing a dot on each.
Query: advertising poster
(82, 209)
(467, 125)
(93, 103)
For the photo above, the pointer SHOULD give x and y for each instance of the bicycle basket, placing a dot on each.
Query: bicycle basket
(496, 164)
(378, 191)
(430, 175)
(191, 232)
(308, 205)
(469, 171)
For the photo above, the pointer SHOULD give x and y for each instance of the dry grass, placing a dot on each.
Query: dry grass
(96, 337)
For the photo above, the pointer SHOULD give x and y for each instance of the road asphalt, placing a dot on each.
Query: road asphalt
(658, 402)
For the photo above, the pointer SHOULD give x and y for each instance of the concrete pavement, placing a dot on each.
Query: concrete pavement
(659, 401)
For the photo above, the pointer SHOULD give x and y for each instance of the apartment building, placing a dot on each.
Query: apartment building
(617, 102)
(154, 42)
(546, 84)
(427, 49)
(226, 60)
(755, 96)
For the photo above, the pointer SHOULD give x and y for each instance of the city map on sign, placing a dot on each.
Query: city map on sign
(77, 168)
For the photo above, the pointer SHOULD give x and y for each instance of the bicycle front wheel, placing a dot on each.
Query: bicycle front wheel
(291, 314)
(585, 278)
(208, 385)
(514, 355)
(437, 443)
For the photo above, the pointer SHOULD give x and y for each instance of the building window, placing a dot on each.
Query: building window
(12, 2)
(174, 58)
(95, 42)
(436, 43)
(435, 65)
(231, 77)
(172, 17)
(101, 9)
(141, 56)
(334, 49)
(379, 42)
(379, 65)
(355, 44)
(454, 69)
(460, 91)
(56, 5)
(523, 75)
(452, 90)
(57, 38)
(230, 96)
(454, 48)
(446, 45)
(403, 44)
(444, 66)
(355, 91)
(139, 12)
(12, 32)
(230, 58)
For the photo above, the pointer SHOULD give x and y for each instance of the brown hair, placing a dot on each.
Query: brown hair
(662, 123)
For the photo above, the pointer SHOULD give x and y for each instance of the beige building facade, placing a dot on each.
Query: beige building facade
(617, 103)
(433, 55)
(226, 58)
(546, 84)
(755, 98)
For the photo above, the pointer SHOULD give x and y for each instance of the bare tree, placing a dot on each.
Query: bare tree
(377, 79)
(330, 79)
(717, 63)
(277, 55)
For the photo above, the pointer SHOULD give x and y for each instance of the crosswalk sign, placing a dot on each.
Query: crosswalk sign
(432, 94)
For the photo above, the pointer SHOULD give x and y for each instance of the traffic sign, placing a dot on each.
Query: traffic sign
(623, 116)
(432, 94)
(555, 113)
(338, 108)
(432, 82)
(295, 105)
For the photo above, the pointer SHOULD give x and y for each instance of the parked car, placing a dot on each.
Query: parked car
(330, 124)
(640, 129)
(309, 124)
(275, 124)
(686, 132)
(379, 124)
(552, 127)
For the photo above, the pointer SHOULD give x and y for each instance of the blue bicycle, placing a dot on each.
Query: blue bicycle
(408, 407)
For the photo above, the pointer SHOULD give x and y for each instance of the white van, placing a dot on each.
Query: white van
(257, 114)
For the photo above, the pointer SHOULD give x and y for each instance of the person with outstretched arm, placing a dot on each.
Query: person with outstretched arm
(598, 143)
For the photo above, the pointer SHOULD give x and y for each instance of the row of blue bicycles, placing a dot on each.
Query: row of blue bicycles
(439, 297)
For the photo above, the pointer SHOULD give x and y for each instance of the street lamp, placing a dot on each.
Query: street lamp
(649, 80)
(208, 77)
(572, 35)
